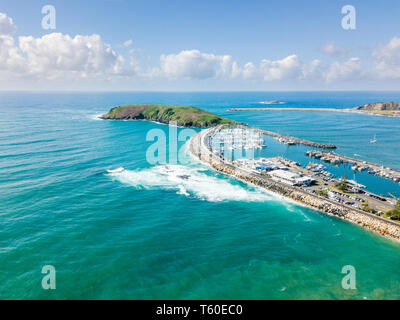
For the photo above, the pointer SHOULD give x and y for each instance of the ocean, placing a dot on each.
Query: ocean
(77, 193)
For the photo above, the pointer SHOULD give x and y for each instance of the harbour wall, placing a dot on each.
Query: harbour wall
(298, 140)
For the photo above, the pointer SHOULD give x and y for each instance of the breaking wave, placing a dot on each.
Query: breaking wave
(191, 182)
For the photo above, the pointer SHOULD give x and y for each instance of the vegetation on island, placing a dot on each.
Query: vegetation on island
(186, 116)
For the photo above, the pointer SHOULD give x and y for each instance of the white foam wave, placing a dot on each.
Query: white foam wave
(191, 182)
(120, 169)
(97, 116)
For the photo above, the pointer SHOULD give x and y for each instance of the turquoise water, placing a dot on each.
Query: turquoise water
(148, 233)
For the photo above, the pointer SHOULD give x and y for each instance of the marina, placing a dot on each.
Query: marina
(238, 133)
(312, 186)
(272, 147)
(238, 138)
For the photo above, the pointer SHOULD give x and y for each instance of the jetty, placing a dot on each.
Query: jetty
(390, 109)
(200, 146)
(293, 140)
(357, 165)
(290, 109)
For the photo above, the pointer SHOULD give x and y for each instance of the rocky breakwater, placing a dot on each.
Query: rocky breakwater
(298, 140)
(200, 149)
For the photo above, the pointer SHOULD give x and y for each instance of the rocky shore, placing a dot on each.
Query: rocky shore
(199, 148)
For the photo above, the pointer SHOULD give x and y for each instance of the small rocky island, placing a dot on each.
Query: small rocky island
(185, 116)
(271, 102)
(382, 108)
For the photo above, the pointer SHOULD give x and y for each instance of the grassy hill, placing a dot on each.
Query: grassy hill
(184, 115)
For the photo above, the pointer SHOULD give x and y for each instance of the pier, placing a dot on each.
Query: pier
(200, 147)
(357, 165)
(291, 109)
(293, 140)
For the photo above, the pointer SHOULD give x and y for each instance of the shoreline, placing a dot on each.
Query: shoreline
(199, 149)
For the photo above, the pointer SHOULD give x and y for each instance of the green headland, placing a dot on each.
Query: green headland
(186, 116)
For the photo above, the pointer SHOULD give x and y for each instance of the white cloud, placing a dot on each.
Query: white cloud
(10, 59)
(128, 43)
(59, 56)
(312, 70)
(287, 68)
(55, 54)
(7, 26)
(192, 64)
(339, 71)
(387, 59)
(332, 49)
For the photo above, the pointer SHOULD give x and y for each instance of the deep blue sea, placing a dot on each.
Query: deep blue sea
(147, 233)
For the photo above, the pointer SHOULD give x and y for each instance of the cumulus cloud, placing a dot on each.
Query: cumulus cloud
(10, 59)
(288, 68)
(346, 70)
(55, 54)
(7, 26)
(387, 59)
(127, 43)
(333, 50)
(61, 56)
(311, 70)
(192, 64)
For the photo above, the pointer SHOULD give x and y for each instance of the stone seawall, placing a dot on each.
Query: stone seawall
(298, 140)
(199, 148)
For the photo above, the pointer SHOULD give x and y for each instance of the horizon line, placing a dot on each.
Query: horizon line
(187, 91)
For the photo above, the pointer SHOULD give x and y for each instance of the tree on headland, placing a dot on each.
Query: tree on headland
(342, 184)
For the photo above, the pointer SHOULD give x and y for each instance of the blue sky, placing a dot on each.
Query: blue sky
(185, 45)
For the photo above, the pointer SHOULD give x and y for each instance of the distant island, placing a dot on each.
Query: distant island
(271, 102)
(380, 108)
(185, 116)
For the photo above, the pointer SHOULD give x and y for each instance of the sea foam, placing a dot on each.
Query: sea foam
(191, 182)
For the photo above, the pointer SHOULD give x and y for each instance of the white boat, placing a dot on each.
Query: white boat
(373, 140)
